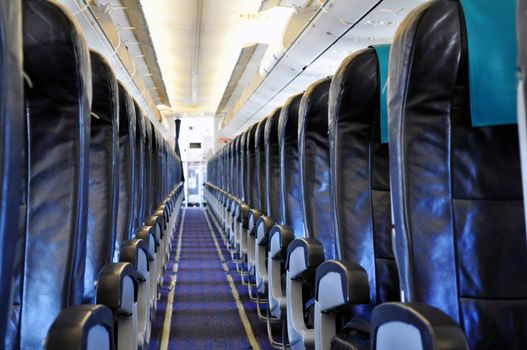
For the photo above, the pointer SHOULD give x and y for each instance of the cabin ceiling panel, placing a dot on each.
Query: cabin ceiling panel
(376, 26)
(198, 43)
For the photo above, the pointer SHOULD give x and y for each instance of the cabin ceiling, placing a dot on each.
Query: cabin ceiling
(237, 59)
(198, 43)
(240, 59)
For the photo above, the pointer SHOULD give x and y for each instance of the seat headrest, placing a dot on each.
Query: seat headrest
(140, 124)
(290, 198)
(383, 55)
(288, 121)
(492, 50)
(313, 145)
(126, 112)
(104, 90)
(250, 137)
(271, 127)
(56, 61)
(272, 165)
(259, 135)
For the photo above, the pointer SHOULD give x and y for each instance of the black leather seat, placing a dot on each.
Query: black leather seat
(11, 139)
(249, 196)
(290, 221)
(235, 193)
(319, 244)
(258, 196)
(56, 61)
(521, 27)
(127, 169)
(242, 208)
(458, 209)
(103, 172)
(140, 176)
(149, 207)
(103, 204)
(271, 189)
(365, 274)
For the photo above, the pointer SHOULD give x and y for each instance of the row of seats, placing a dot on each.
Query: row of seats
(375, 210)
(90, 192)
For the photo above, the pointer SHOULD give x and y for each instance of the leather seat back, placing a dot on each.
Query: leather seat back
(103, 172)
(272, 166)
(11, 139)
(236, 174)
(148, 168)
(360, 176)
(250, 174)
(313, 145)
(157, 153)
(260, 165)
(458, 205)
(243, 166)
(57, 62)
(127, 169)
(140, 176)
(230, 167)
(290, 189)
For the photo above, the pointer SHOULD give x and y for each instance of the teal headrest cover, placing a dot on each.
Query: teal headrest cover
(383, 54)
(491, 40)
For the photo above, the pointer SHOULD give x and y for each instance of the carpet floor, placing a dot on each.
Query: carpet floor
(205, 314)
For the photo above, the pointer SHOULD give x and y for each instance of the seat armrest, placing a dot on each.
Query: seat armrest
(254, 215)
(397, 326)
(280, 237)
(338, 283)
(147, 233)
(158, 223)
(73, 327)
(235, 203)
(129, 253)
(304, 255)
(228, 202)
(244, 215)
(263, 226)
(110, 284)
(157, 218)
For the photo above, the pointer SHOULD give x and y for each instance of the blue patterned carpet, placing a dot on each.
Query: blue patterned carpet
(204, 312)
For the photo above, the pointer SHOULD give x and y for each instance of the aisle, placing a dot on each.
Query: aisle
(197, 309)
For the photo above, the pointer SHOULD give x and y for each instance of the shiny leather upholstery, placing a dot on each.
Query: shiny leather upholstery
(260, 166)
(458, 209)
(231, 168)
(361, 197)
(251, 194)
(272, 166)
(149, 207)
(140, 176)
(58, 103)
(236, 171)
(103, 173)
(313, 145)
(11, 141)
(244, 181)
(290, 191)
(127, 169)
(360, 176)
